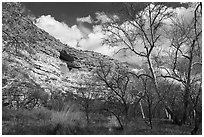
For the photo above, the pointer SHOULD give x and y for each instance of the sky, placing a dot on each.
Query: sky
(79, 24)
(69, 11)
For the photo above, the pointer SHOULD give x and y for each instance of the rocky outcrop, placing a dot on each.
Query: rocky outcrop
(31, 57)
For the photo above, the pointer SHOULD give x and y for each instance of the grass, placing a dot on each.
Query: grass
(25, 122)
(67, 122)
(160, 127)
(42, 121)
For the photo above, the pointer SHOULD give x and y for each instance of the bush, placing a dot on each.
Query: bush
(23, 121)
(67, 121)
(41, 121)
(8, 114)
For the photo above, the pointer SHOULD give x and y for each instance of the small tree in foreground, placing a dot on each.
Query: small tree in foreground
(88, 91)
(119, 85)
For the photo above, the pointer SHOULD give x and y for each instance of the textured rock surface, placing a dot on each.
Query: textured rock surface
(31, 56)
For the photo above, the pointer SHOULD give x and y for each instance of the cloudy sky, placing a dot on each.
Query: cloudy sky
(79, 24)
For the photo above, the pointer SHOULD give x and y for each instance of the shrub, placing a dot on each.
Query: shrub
(8, 114)
(68, 121)
(34, 114)
(23, 121)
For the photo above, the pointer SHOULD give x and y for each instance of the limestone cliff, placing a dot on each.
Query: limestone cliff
(31, 57)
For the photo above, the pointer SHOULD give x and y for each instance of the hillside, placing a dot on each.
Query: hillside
(31, 55)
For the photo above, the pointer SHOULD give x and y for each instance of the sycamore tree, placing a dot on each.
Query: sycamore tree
(119, 90)
(146, 89)
(143, 33)
(171, 93)
(185, 59)
(89, 90)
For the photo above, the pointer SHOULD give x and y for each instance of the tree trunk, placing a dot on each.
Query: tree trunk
(126, 113)
(87, 118)
(120, 123)
(117, 117)
(174, 116)
(197, 122)
(150, 113)
(168, 115)
(150, 117)
(185, 102)
(142, 111)
(153, 75)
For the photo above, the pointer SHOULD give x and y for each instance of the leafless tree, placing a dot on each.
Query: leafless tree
(88, 91)
(185, 40)
(119, 86)
(141, 33)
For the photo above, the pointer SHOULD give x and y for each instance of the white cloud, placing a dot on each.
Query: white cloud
(60, 30)
(93, 41)
(106, 50)
(103, 18)
(85, 19)
(84, 30)
(88, 40)
(185, 14)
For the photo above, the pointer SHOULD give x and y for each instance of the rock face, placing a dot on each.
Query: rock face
(31, 57)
